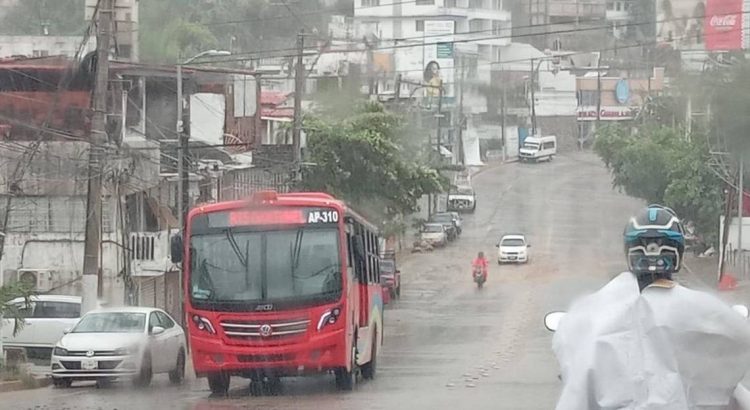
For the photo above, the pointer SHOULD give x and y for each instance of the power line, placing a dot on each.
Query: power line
(469, 40)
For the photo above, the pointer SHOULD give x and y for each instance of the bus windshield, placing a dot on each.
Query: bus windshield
(265, 266)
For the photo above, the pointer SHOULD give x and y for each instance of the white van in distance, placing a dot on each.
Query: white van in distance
(538, 148)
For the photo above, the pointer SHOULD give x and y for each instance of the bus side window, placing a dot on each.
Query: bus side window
(349, 251)
(360, 262)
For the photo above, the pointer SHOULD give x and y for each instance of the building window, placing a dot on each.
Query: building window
(497, 28)
(450, 3)
(475, 25)
(425, 2)
(420, 26)
(497, 4)
(370, 3)
(476, 4)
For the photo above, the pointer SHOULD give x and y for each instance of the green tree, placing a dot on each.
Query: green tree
(9, 292)
(360, 159)
(30, 17)
(659, 166)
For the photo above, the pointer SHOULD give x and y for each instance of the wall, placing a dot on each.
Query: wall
(62, 253)
(639, 87)
(58, 168)
(564, 127)
(39, 46)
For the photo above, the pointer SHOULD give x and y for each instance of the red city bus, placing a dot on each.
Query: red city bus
(282, 285)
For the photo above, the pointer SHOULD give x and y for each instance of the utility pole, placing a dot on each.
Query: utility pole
(460, 117)
(183, 185)
(740, 204)
(370, 72)
(533, 100)
(397, 91)
(599, 91)
(98, 140)
(502, 116)
(439, 117)
(299, 89)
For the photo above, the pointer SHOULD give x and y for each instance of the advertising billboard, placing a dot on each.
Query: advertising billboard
(711, 25)
(723, 25)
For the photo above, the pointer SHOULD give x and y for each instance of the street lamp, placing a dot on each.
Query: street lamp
(182, 174)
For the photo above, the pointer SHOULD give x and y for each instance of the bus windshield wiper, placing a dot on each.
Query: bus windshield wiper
(204, 279)
(236, 248)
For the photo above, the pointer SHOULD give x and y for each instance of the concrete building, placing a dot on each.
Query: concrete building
(42, 46)
(613, 96)
(486, 22)
(126, 27)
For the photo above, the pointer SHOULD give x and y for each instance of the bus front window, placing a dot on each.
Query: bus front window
(265, 266)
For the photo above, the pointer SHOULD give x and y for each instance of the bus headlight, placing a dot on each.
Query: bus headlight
(329, 317)
(203, 324)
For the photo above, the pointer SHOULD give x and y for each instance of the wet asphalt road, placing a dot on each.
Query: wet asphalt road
(448, 345)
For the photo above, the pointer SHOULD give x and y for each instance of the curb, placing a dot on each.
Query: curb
(16, 385)
(489, 167)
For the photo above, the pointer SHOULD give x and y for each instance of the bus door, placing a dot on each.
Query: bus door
(359, 247)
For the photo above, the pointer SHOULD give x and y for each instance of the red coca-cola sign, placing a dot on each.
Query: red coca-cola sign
(723, 25)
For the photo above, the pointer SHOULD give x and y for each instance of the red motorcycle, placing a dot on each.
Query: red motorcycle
(479, 276)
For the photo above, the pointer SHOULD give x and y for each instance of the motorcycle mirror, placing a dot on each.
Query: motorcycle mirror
(742, 310)
(552, 320)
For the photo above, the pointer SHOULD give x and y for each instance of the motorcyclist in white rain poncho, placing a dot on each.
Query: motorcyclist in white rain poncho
(645, 342)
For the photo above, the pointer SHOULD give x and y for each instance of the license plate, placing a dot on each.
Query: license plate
(88, 364)
(512, 258)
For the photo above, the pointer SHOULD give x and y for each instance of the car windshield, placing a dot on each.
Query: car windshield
(111, 322)
(442, 218)
(531, 145)
(463, 191)
(433, 228)
(265, 266)
(513, 242)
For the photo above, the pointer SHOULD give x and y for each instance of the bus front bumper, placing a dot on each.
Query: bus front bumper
(319, 353)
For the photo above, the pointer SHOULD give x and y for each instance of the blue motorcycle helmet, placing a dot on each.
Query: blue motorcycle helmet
(654, 244)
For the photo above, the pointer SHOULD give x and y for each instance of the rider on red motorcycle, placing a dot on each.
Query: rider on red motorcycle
(480, 262)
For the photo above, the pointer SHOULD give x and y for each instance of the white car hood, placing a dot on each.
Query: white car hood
(100, 341)
(528, 150)
(516, 249)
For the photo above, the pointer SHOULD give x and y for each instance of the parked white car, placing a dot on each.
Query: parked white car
(116, 343)
(434, 234)
(47, 316)
(513, 249)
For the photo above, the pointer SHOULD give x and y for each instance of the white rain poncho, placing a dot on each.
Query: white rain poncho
(664, 348)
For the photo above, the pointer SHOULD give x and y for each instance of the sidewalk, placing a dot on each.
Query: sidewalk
(701, 274)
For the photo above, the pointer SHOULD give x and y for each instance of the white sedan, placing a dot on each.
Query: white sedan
(127, 342)
(513, 249)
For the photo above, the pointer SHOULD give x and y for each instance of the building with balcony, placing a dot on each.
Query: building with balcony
(556, 24)
(487, 20)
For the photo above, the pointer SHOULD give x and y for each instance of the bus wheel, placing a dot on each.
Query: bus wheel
(218, 383)
(369, 368)
(346, 379)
